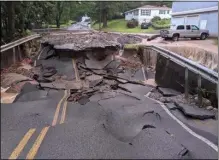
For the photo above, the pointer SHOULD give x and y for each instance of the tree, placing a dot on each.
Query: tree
(11, 18)
(59, 7)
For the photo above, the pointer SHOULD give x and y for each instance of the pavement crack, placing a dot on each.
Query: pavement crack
(148, 126)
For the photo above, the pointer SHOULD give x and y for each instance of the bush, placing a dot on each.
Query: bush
(135, 21)
(155, 19)
(161, 24)
(131, 24)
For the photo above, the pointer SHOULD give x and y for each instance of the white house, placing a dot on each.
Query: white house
(147, 12)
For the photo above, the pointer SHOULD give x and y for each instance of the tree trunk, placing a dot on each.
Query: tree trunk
(57, 22)
(104, 18)
(59, 6)
(11, 19)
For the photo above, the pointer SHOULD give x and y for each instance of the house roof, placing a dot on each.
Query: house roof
(151, 7)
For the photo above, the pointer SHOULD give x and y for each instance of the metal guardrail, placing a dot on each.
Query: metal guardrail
(189, 64)
(18, 42)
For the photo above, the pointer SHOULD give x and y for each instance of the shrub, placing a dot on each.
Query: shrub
(131, 24)
(135, 22)
(155, 19)
(161, 24)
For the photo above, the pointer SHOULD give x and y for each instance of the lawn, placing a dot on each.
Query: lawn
(119, 25)
(62, 25)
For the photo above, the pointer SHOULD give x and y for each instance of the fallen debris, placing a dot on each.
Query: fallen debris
(167, 92)
(94, 80)
(13, 78)
(195, 112)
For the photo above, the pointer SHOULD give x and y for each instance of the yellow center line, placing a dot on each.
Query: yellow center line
(57, 109)
(33, 151)
(64, 110)
(22, 144)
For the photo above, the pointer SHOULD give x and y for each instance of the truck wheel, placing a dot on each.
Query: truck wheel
(175, 37)
(203, 36)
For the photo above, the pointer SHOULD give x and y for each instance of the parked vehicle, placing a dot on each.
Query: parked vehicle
(184, 31)
(145, 25)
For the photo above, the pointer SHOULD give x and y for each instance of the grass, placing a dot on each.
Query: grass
(62, 25)
(119, 25)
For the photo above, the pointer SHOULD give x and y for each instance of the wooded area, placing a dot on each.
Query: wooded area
(17, 17)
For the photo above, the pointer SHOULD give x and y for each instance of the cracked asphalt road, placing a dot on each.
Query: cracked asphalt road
(111, 125)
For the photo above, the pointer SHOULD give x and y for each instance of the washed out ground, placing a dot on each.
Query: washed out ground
(105, 112)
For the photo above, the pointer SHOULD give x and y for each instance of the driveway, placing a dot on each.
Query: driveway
(208, 44)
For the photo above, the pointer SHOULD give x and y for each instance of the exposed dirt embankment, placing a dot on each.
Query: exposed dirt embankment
(201, 56)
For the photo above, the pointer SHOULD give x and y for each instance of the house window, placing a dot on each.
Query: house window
(180, 27)
(136, 13)
(161, 12)
(145, 12)
(168, 11)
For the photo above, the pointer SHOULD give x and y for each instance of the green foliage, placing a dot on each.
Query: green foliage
(161, 24)
(155, 19)
(16, 17)
(119, 25)
(132, 24)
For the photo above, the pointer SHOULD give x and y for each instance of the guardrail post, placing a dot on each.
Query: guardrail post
(186, 83)
(19, 52)
(199, 90)
(14, 55)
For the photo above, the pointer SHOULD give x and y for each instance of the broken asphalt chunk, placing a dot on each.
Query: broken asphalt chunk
(94, 80)
(114, 64)
(53, 85)
(49, 71)
(195, 112)
(167, 92)
(83, 100)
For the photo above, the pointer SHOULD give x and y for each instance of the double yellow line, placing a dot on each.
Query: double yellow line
(55, 119)
(33, 151)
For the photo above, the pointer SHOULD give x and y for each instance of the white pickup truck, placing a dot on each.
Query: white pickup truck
(184, 31)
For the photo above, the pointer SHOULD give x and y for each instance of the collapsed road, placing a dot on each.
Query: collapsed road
(82, 101)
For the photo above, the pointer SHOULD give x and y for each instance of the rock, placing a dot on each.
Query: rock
(206, 102)
(94, 80)
(167, 92)
(215, 109)
(209, 107)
